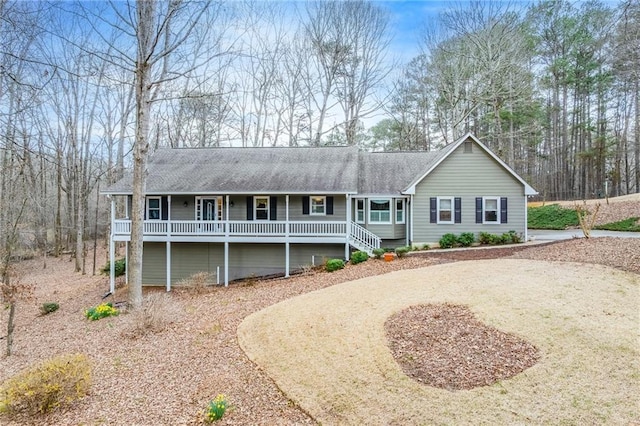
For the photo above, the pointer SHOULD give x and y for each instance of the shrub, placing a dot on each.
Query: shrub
(103, 310)
(448, 241)
(402, 251)
(120, 267)
(216, 408)
(359, 257)
(377, 253)
(334, 265)
(154, 315)
(48, 307)
(56, 382)
(466, 239)
(513, 237)
(426, 247)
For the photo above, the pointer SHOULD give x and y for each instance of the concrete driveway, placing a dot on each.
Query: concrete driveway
(567, 234)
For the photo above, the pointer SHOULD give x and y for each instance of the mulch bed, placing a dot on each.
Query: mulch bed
(445, 346)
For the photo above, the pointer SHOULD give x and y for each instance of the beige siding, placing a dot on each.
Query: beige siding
(468, 175)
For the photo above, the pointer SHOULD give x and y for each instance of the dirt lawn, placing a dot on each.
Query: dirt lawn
(327, 349)
(167, 377)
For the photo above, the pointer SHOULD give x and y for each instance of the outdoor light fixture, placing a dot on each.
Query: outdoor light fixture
(186, 204)
(231, 204)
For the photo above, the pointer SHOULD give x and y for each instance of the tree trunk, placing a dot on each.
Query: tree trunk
(10, 327)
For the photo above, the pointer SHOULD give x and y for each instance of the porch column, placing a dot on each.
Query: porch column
(226, 245)
(168, 242)
(348, 226)
(286, 239)
(112, 248)
(126, 262)
(168, 265)
(226, 263)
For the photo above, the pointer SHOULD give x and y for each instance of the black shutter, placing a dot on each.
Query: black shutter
(457, 203)
(144, 211)
(165, 208)
(433, 207)
(503, 210)
(273, 208)
(478, 209)
(305, 205)
(249, 208)
(329, 205)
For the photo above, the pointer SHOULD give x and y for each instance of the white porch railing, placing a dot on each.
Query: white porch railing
(235, 227)
(363, 239)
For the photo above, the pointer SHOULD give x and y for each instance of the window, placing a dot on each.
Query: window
(379, 211)
(491, 207)
(445, 209)
(400, 211)
(360, 211)
(261, 208)
(154, 208)
(318, 206)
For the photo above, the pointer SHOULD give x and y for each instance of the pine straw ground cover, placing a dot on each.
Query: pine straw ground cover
(166, 373)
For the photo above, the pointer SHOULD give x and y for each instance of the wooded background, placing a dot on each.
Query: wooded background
(553, 88)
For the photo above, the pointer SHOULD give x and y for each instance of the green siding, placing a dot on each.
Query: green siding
(245, 260)
(154, 263)
(467, 175)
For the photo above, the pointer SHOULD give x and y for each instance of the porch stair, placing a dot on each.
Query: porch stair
(362, 239)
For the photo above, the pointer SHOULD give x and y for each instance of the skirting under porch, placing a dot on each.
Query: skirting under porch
(245, 260)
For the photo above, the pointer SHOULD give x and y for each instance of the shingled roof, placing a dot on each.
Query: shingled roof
(249, 170)
(326, 170)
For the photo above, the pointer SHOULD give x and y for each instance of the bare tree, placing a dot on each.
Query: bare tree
(161, 29)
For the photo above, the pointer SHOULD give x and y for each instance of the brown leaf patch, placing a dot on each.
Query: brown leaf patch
(445, 346)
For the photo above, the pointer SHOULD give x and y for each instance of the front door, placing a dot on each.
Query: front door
(209, 208)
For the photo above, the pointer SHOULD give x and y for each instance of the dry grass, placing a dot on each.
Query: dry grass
(157, 312)
(328, 351)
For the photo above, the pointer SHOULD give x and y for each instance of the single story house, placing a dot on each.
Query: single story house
(239, 212)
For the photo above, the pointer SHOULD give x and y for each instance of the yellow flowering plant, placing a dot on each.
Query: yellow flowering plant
(216, 408)
(103, 310)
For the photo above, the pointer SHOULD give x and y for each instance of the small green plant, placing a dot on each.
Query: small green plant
(103, 310)
(334, 265)
(49, 307)
(448, 241)
(120, 267)
(377, 253)
(216, 408)
(402, 251)
(466, 239)
(513, 237)
(426, 247)
(56, 382)
(359, 257)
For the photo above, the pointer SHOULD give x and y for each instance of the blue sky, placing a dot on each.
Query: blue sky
(408, 20)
